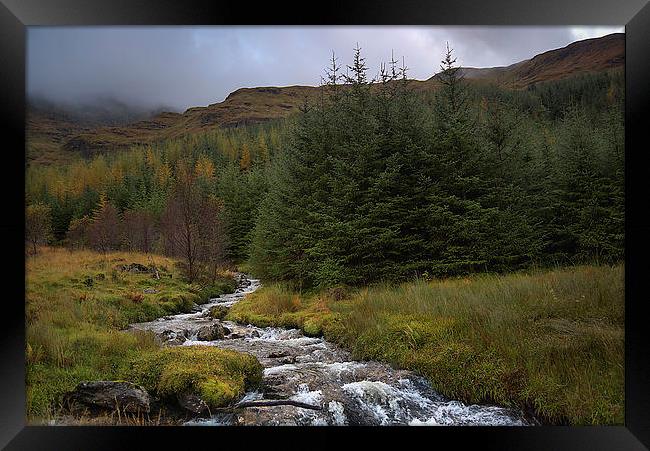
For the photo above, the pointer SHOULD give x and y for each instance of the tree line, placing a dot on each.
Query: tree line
(183, 198)
(373, 181)
(381, 184)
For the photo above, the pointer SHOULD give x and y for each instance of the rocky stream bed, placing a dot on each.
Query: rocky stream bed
(315, 381)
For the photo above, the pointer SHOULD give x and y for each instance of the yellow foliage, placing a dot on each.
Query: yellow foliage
(163, 174)
(263, 148)
(150, 157)
(245, 160)
(204, 167)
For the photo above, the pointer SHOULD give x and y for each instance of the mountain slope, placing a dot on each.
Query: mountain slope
(589, 55)
(52, 137)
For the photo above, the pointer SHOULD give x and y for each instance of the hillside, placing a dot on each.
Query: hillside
(589, 55)
(54, 138)
(51, 127)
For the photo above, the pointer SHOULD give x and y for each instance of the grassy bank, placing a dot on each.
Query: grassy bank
(77, 305)
(551, 341)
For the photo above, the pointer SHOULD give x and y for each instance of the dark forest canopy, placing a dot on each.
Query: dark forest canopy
(369, 184)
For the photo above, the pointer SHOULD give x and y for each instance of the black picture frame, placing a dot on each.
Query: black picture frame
(16, 15)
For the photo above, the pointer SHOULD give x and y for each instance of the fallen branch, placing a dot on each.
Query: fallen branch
(276, 402)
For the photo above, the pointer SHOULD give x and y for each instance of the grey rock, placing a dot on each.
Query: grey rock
(136, 268)
(210, 333)
(110, 395)
(174, 337)
(192, 402)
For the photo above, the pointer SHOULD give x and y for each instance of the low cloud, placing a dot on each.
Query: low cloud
(189, 66)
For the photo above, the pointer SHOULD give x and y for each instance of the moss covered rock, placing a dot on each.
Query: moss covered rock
(218, 311)
(217, 376)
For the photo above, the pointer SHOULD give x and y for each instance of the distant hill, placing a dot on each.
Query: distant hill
(51, 126)
(57, 135)
(589, 55)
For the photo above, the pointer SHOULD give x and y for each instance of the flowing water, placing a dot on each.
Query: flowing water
(317, 372)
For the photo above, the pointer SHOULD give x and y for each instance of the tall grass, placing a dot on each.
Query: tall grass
(76, 305)
(548, 341)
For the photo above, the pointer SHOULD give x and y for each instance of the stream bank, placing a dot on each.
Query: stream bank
(312, 371)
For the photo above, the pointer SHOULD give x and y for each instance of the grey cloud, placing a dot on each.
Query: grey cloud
(190, 66)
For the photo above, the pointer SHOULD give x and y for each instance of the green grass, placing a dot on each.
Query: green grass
(550, 341)
(77, 305)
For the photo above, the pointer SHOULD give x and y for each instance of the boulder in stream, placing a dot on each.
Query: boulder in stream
(174, 338)
(192, 402)
(254, 333)
(210, 333)
(110, 395)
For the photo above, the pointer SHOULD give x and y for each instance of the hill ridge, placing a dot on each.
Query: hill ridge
(249, 105)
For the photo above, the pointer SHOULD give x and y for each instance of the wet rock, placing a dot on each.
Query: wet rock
(210, 333)
(192, 402)
(126, 396)
(174, 333)
(174, 337)
(268, 416)
(226, 330)
(287, 360)
(277, 354)
(254, 333)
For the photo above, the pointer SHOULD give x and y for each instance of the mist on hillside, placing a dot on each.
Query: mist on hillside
(196, 66)
(94, 111)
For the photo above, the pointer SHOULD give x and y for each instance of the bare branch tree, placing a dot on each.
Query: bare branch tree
(38, 225)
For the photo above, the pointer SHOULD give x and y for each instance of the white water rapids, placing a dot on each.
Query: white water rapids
(317, 372)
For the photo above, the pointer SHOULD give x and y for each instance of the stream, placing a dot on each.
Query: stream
(317, 372)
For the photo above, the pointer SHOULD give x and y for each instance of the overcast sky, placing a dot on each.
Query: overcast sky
(180, 67)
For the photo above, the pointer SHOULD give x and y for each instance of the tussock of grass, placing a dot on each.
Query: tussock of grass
(278, 305)
(77, 304)
(549, 340)
(219, 376)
